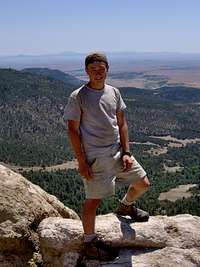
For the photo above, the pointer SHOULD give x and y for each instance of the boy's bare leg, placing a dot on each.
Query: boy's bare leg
(137, 189)
(89, 214)
(94, 248)
(126, 206)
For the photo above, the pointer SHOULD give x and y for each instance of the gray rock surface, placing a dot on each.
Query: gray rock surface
(31, 219)
(23, 206)
(162, 241)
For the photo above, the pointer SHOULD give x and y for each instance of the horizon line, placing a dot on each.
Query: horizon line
(64, 53)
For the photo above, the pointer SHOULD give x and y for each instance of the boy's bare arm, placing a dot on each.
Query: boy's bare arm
(74, 135)
(123, 132)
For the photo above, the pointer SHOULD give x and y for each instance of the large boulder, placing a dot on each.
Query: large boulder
(162, 241)
(23, 206)
(32, 221)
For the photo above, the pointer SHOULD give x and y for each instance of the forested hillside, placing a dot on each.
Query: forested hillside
(32, 133)
(68, 185)
(56, 75)
(165, 111)
(31, 107)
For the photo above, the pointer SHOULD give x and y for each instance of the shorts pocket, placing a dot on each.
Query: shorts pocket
(92, 162)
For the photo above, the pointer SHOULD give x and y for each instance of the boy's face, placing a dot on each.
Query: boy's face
(97, 71)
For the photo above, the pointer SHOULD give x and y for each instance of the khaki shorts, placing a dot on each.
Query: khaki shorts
(107, 172)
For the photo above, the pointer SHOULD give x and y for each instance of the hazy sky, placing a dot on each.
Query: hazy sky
(53, 26)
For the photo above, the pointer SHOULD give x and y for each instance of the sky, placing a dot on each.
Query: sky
(35, 27)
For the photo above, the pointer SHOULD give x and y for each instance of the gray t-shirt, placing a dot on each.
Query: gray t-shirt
(96, 111)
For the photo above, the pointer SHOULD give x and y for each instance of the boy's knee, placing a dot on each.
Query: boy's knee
(92, 203)
(142, 184)
(146, 182)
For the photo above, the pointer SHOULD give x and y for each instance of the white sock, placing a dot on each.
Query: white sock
(126, 202)
(89, 238)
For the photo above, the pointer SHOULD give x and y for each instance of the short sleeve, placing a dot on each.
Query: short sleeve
(72, 110)
(120, 102)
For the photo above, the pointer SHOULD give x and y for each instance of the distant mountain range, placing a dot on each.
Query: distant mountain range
(21, 61)
(114, 54)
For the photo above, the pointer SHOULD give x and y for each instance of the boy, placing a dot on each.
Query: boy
(98, 131)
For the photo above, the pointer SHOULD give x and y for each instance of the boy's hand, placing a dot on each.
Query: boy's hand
(85, 170)
(127, 162)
